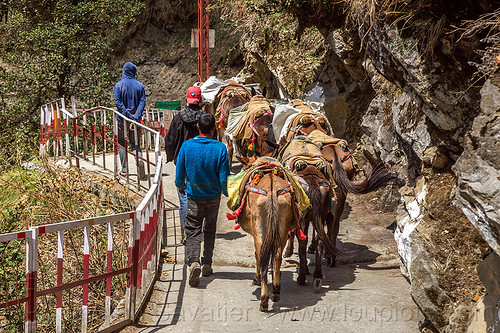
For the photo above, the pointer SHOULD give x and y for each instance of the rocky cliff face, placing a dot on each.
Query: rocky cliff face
(414, 102)
(478, 169)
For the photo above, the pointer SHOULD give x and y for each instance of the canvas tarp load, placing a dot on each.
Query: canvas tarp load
(297, 116)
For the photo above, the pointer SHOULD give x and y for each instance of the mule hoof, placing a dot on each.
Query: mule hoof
(256, 281)
(311, 249)
(330, 261)
(301, 281)
(275, 298)
(317, 283)
(263, 307)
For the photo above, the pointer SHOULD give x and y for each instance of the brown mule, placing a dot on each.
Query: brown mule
(305, 122)
(254, 135)
(261, 144)
(228, 98)
(338, 155)
(304, 159)
(319, 215)
(269, 218)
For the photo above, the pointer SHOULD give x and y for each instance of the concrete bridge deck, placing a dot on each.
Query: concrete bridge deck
(367, 293)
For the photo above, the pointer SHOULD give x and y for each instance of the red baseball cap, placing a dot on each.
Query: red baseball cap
(193, 95)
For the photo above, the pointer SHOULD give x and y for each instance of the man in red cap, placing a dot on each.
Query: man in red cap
(182, 128)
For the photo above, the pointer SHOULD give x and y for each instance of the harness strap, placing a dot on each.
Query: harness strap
(284, 190)
(252, 126)
(346, 157)
(254, 189)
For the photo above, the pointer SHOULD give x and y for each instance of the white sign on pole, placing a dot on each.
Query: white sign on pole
(194, 38)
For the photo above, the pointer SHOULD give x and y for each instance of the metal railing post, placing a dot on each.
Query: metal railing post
(115, 143)
(54, 131)
(75, 130)
(58, 125)
(84, 129)
(135, 231)
(60, 248)
(109, 269)
(66, 130)
(125, 147)
(42, 131)
(103, 128)
(31, 278)
(85, 298)
(146, 147)
(94, 137)
(137, 161)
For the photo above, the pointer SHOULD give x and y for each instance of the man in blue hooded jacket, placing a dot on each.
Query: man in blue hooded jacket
(130, 100)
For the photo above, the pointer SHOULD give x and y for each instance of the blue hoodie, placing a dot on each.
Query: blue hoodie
(130, 96)
(202, 168)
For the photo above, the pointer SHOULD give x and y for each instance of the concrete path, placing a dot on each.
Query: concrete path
(365, 293)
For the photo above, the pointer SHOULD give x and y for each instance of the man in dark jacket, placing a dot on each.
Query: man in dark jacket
(182, 128)
(130, 100)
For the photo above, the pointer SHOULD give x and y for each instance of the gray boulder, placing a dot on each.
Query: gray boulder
(478, 169)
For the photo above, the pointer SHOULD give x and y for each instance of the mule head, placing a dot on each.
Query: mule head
(233, 102)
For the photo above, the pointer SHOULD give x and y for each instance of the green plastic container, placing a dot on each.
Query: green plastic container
(168, 105)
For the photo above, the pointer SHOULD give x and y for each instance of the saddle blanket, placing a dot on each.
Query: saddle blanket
(236, 183)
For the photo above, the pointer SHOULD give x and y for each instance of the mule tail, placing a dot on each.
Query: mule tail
(315, 198)
(271, 239)
(378, 177)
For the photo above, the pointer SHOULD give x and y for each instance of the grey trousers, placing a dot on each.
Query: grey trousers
(201, 223)
(131, 140)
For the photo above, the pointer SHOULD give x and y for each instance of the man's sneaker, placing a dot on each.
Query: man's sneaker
(206, 270)
(194, 274)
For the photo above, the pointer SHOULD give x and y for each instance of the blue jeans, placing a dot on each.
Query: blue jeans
(183, 206)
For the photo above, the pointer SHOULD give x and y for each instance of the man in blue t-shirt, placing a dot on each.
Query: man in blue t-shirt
(201, 172)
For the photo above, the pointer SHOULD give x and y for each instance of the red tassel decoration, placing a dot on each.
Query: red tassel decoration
(236, 227)
(300, 234)
(232, 216)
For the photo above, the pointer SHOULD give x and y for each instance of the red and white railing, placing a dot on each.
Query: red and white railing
(92, 134)
(145, 230)
(158, 119)
(145, 224)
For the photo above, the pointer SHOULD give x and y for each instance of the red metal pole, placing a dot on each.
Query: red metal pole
(200, 40)
(206, 32)
(203, 41)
